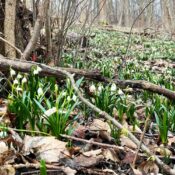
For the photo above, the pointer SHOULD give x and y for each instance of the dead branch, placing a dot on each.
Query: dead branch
(141, 141)
(93, 142)
(7, 42)
(24, 66)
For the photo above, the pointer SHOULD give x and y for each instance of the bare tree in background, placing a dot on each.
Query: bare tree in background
(9, 27)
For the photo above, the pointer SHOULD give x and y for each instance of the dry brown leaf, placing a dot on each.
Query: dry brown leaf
(80, 132)
(110, 154)
(3, 147)
(125, 141)
(103, 128)
(47, 148)
(98, 125)
(149, 167)
(69, 171)
(84, 161)
(7, 170)
(138, 172)
(129, 158)
(92, 153)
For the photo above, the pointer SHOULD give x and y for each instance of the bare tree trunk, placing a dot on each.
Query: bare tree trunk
(9, 27)
(48, 33)
(38, 24)
(2, 13)
(166, 18)
(102, 10)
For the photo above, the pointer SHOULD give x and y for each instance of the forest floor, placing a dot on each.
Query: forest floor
(44, 124)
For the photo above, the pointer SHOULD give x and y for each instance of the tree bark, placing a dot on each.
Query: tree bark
(9, 27)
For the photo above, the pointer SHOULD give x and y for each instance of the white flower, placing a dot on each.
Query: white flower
(92, 88)
(113, 87)
(40, 91)
(93, 100)
(19, 76)
(74, 98)
(37, 70)
(12, 72)
(68, 98)
(64, 94)
(24, 80)
(120, 92)
(15, 81)
(100, 88)
(19, 89)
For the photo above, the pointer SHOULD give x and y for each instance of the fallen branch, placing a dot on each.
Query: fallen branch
(145, 149)
(24, 66)
(56, 71)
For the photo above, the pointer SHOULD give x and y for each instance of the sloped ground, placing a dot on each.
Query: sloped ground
(36, 109)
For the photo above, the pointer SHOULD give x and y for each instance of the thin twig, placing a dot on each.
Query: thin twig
(92, 142)
(18, 50)
(141, 141)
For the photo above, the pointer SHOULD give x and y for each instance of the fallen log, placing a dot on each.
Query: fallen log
(25, 66)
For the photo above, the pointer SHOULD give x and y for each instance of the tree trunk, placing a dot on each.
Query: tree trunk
(9, 27)
(36, 33)
(48, 33)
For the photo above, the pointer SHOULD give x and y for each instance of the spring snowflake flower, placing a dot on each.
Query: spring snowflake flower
(15, 81)
(19, 76)
(40, 91)
(100, 88)
(120, 92)
(37, 70)
(19, 89)
(74, 98)
(92, 88)
(12, 72)
(24, 80)
(113, 87)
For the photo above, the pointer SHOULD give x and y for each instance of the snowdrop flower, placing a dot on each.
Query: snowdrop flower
(74, 98)
(92, 88)
(113, 87)
(24, 80)
(15, 81)
(40, 91)
(37, 70)
(120, 92)
(19, 76)
(12, 72)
